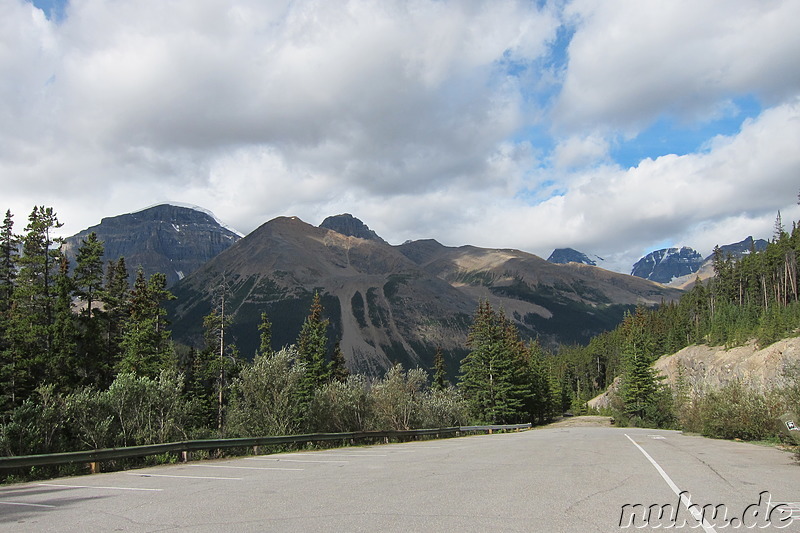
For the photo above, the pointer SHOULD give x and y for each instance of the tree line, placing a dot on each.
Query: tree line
(86, 359)
(754, 297)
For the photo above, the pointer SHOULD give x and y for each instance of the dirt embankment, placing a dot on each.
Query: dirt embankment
(711, 367)
(582, 421)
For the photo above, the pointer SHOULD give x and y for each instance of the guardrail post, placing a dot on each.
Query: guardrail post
(256, 450)
(185, 458)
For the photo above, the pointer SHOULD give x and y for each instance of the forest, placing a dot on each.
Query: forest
(86, 360)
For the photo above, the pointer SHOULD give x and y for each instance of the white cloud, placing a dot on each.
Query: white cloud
(424, 118)
(580, 151)
(633, 61)
(717, 197)
(382, 97)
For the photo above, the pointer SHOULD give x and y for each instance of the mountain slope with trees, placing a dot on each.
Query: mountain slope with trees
(399, 304)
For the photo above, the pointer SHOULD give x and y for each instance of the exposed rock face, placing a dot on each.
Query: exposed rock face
(563, 256)
(703, 368)
(711, 367)
(668, 263)
(347, 224)
(165, 238)
(390, 304)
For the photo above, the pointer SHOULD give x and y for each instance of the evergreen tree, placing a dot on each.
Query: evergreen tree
(439, 371)
(265, 346)
(115, 301)
(539, 399)
(88, 285)
(338, 367)
(312, 346)
(145, 337)
(30, 319)
(640, 382)
(9, 251)
(490, 372)
(89, 273)
(63, 369)
(221, 353)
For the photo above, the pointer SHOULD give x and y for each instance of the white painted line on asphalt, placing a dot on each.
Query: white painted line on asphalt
(291, 460)
(313, 454)
(96, 487)
(247, 467)
(182, 477)
(28, 504)
(708, 528)
(657, 437)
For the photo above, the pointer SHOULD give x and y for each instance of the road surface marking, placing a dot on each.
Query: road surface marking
(314, 454)
(28, 504)
(182, 477)
(291, 460)
(95, 487)
(246, 467)
(708, 528)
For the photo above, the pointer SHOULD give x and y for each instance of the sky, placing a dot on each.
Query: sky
(612, 127)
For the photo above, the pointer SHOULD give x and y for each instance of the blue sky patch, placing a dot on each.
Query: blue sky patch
(53, 9)
(669, 136)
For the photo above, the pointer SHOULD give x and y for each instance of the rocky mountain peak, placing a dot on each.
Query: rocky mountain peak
(347, 224)
(666, 264)
(172, 239)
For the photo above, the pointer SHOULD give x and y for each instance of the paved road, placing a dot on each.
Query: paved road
(556, 479)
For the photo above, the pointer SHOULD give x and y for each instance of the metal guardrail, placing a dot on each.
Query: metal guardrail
(108, 454)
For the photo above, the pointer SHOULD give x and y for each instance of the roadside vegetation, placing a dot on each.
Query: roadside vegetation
(86, 361)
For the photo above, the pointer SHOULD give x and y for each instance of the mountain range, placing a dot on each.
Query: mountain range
(397, 304)
(386, 304)
(675, 267)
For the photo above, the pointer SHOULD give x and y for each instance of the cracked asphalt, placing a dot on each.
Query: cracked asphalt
(552, 479)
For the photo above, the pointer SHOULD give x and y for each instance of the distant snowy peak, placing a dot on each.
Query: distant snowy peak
(563, 256)
(668, 263)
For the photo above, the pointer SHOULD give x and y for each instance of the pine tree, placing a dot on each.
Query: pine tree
(9, 252)
(265, 346)
(31, 317)
(539, 400)
(145, 337)
(88, 285)
(63, 368)
(312, 346)
(490, 372)
(338, 367)
(89, 273)
(115, 302)
(221, 351)
(9, 246)
(640, 382)
(439, 371)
